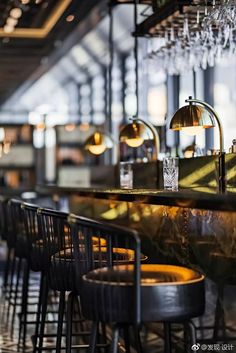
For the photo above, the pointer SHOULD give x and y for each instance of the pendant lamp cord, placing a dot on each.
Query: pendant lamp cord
(111, 59)
(136, 55)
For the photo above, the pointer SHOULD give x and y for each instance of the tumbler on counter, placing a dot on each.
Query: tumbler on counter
(171, 173)
(126, 175)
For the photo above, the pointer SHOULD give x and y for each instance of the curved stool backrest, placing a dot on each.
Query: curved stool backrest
(34, 236)
(3, 217)
(57, 246)
(99, 245)
(15, 222)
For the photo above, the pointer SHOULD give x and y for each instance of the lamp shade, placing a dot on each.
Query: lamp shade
(134, 134)
(192, 119)
(98, 143)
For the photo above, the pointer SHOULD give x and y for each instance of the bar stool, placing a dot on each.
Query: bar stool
(3, 235)
(130, 294)
(223, 274)
(23, 228)
(22, 251)
(40, 261)
(57, 251)
(219, 267)
(36, 261)
(17, 245)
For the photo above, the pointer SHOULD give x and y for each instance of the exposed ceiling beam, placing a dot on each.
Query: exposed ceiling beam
(91, 12)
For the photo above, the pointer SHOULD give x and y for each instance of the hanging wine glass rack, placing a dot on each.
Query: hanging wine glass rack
(171, 15)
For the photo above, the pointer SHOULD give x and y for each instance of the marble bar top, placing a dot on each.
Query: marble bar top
(199, 197)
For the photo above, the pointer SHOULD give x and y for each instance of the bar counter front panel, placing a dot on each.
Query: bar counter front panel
(189, 232)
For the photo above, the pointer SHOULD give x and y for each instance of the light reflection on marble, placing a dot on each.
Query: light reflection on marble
(202, 239)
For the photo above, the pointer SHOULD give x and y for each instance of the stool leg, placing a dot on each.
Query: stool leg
(192, 333)
(24, 306)
(60, 321)
(104, 336)
(93, 338)
(7, 268)
(190, 337)
(186, 337)
(80, 316)
(219, 314)
(126, 338)
(137, 339)
(11, 285)
(43, 314)
(167, 335)
(69, 317)
(15, 296)
(115, 339)
(36, 332)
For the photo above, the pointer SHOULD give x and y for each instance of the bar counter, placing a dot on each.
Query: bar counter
(198, 197)
(192, 226)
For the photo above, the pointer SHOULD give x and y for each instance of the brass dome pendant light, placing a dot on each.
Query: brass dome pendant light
(138, 131)
(101, 141)
(194, 117)
(98, 143)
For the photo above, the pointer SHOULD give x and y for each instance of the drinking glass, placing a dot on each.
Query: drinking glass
(126, 175)
(171, 173)
(200, 39)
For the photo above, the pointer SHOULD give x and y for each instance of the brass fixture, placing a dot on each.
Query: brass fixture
(135, 133)
(192, 119)
(98, 143)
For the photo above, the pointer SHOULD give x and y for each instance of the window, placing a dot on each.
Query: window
(225, 99)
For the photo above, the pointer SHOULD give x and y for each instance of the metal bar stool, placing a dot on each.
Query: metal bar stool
(23, 231)
(126, 294)
(37, 263)
(3, 235)
(40, 261)
(57, 250)
(220, 268)
(16, 240)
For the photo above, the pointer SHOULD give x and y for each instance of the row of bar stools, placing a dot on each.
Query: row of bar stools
(25, 243)
(43, 236)
(125, 294)
(103, 266)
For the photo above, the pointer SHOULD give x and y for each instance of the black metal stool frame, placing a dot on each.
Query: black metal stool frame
(83, 230)
(87, 260)
(58, 250)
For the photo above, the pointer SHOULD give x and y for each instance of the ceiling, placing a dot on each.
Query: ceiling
(86, 60)
(41, 29)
